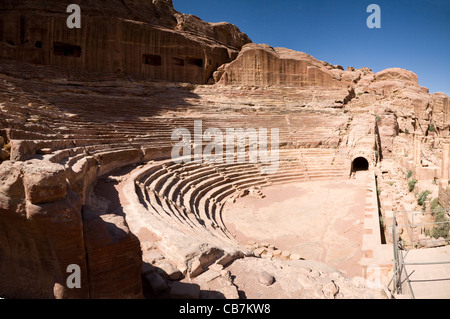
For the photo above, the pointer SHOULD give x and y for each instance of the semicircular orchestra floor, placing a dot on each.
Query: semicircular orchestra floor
(321, 220)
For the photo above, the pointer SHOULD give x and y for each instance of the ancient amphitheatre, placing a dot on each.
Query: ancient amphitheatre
(87, 179)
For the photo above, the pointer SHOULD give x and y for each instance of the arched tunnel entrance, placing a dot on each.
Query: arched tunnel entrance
(360, 164)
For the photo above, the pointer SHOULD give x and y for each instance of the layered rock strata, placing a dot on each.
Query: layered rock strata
(144, 39)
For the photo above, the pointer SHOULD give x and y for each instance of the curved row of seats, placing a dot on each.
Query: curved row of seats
(193, 195)
(93, 129)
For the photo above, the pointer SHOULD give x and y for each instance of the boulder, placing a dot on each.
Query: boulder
(265, 278)
(44, 182)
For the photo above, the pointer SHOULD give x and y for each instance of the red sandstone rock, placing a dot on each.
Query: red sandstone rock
(396, 74)
(387, 129)
(44, 182)
(260, 65)
(441, 108)
(145, 39)
(113, 257)
(38, 242)
(12, 191)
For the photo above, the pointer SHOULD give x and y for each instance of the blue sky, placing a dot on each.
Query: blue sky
(414, 34)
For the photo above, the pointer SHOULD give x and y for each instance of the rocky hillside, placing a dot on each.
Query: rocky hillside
(393, 95)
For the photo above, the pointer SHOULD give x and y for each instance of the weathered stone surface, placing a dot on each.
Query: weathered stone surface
(330, 290)
(295, 256)
(388, 129)
(277, 253)
(167, 270)
(441, 108)
(359, 282)
(267, 254)
(294, 281)
(37, 248)
(260, 64)
(230, 292)
(265, 278)
(257, 252)
(152, 256)
(229, 257)
(147, 39)
(108, 235)
(44, 182)
(12, 191)
(397, 74)
(196, 268)
(285, 254)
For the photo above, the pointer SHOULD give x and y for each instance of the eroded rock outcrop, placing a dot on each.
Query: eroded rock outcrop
(40, 235)
(260, 65)
(44, 231)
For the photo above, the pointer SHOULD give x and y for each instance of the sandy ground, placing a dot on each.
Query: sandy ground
(321, 220)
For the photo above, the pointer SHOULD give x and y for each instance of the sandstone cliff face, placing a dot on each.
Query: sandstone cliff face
(441, 111)
(261, 65)
(145, 39)
(414, 106)
(409, 107)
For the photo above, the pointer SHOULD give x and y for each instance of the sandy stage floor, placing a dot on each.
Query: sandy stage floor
(321, 220)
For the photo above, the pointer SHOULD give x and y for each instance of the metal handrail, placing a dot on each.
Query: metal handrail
(399, 259)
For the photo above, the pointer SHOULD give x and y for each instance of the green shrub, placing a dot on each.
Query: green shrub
(422, 198)
(406, 131)
(410, 172)
(440, 230)
(434, 205)
(431, 128)
(411, 184)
